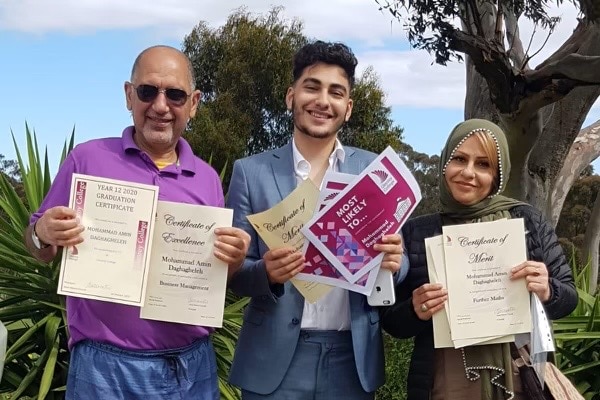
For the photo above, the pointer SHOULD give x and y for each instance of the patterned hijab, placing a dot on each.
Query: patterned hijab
(490, 364)
(495, 204)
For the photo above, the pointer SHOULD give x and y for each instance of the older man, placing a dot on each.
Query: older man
(115, 353)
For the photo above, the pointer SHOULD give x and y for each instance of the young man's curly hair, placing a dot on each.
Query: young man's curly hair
(325, 52)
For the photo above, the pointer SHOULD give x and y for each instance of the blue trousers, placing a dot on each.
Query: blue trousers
(323, 368)
(99, 371)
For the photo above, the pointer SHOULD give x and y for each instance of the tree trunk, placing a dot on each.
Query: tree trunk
(585, 149)
(562, 122)
(477, 100)
(590, 245)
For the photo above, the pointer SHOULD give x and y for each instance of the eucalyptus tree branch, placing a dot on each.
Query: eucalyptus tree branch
(515, 50)
(591, 9)
(498, 32)
(579, 68)
(571, 45)
(472, 8)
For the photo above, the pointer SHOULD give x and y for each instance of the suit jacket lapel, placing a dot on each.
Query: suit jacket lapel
(282, 164)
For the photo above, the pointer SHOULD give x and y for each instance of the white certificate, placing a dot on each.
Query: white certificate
(437, 274)
(484, 302)
(442, 336)
(112, 262)
(187, 283)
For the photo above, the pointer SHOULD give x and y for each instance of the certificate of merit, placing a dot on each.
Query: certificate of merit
(483, 301)
(187, 283)
(112, 262)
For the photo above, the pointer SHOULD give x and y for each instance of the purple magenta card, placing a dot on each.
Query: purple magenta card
(376, 203)
(318, 268)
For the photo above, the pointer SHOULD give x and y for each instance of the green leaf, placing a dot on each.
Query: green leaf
(30, 377)
(27, 335)
(48, 374)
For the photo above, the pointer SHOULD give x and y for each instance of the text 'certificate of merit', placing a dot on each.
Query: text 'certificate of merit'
(280, 226)
(187, 283)
(112, 262)
(484, 302)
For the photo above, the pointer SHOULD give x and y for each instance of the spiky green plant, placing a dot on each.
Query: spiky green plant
(578, 339)
(37, 357)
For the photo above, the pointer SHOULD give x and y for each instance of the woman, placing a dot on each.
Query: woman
(474, 168)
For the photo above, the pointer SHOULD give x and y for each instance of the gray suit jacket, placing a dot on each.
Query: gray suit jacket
(271, 325)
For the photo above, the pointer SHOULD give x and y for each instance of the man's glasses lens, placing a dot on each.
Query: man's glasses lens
(147, 94)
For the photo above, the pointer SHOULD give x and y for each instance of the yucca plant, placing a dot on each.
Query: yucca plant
(225, 337)
(34, 315)
(224, 342)
(578, 339)
(37, 357)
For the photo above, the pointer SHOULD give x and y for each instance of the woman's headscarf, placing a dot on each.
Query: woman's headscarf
(495, 203)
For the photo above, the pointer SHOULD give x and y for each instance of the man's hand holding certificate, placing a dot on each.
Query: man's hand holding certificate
(280, 226)
(112, 263)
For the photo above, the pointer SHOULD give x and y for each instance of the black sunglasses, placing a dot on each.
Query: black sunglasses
(148, 93)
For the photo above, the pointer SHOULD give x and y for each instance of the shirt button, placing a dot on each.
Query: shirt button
(295, 321)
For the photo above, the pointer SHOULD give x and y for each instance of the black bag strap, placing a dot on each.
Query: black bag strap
(529, 381)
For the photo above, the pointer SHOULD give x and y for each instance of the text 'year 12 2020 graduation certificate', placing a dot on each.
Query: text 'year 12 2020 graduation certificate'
(112, 262)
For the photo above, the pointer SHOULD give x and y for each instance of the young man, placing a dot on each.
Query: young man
(114, 353)
(289, 348)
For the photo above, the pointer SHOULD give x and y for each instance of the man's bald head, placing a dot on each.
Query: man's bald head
(178, 52)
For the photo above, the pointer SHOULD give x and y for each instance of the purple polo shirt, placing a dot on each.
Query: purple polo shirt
(192, 181)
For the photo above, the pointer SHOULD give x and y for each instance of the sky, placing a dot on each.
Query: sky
(64, 62)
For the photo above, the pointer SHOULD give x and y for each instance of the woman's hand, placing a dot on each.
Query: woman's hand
(536, 277)
(429, 299)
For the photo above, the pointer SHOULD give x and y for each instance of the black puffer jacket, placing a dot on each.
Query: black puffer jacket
(401, 321)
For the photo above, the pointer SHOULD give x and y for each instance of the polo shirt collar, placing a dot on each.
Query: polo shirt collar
(187, 159)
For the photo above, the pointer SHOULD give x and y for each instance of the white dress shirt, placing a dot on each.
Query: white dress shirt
(332, 311)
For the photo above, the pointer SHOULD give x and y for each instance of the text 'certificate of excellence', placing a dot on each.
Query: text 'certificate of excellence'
(187, 283)
(111, 264)
(484, 301)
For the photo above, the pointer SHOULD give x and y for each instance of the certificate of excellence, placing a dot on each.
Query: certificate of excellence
(483, 301)
(187, 283)
(111, 264)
